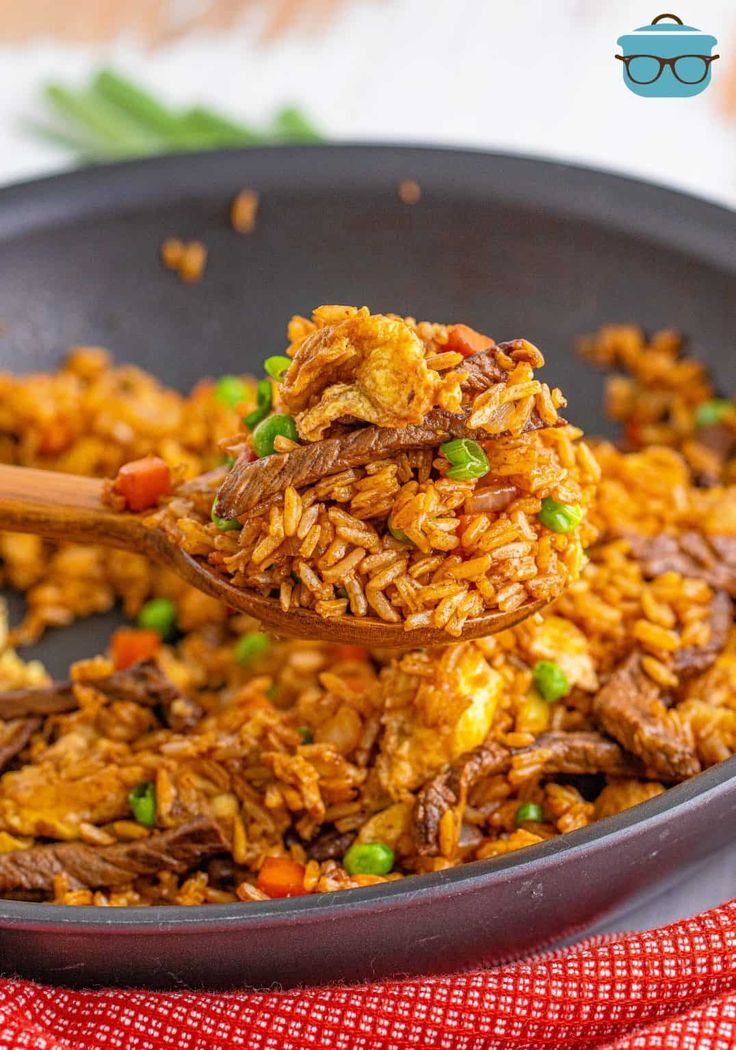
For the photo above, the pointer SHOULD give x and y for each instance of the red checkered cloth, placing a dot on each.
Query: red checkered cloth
(673, 988)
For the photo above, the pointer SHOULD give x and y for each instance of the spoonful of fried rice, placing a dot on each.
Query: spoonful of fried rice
(397, 484)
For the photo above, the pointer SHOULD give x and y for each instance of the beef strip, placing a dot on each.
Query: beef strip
(720, 440)
(177, 850)
(449, 788)
(252, 484)
(143, 683)
(694, 659)
(711, 558)
(483, 370)
(708, 558)
(576, 753)
(14, 735)
(330, 844)
(585, 752)
(40, 700)
(630, 709)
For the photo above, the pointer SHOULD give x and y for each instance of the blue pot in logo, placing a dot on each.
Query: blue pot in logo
(667, 59)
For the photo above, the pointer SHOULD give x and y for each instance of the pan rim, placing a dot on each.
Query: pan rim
(654, 211)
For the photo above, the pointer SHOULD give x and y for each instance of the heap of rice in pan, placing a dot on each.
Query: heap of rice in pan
(199, 760)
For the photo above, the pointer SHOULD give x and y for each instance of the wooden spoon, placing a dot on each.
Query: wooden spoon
(70, 508)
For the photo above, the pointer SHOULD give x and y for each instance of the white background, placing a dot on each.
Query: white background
(524, 75)
(535, 76)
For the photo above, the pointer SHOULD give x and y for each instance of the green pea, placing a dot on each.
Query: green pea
(142, 802)
(224, 524)
(529, 811)
(467, 459)
(231, 390)
(712, 412)
(251, 646)
(264, 400)
(550, 680)
(272, 692)
(368, 858)
(560, 517)
(399, 534)
(306, 734)
(159, 614)
(278, 425)
(277, 366)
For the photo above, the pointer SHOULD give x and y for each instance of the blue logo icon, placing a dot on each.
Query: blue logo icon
(667, 59)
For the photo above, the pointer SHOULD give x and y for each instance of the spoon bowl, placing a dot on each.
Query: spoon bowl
(70, 507)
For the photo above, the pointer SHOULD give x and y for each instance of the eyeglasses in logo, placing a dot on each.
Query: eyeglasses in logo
(667, 59)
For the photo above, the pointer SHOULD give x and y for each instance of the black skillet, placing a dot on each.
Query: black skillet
(513, 246)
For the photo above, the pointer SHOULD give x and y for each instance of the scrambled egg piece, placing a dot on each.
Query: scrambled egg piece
(33, 804)
(560, 640)
(391, 825)
(74, 784)
(445, 715)
(368, 367)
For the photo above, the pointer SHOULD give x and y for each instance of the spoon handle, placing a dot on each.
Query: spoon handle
(65, 507)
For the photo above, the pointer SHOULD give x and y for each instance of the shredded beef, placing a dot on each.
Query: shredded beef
(14, 735)
(449, 788)
(720, 440)
(177, 850)
(694, 659)
(251, 484)
(42, 700)
(630, 709)
(585, 752)
(711, 558)
(483, 370)
(144, 683)
(330, 844)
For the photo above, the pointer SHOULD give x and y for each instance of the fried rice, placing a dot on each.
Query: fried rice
(228, 765)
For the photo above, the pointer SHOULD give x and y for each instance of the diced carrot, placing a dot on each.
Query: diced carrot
(129, 645)
(351, 652)
(280, 877)
(466, 341)
(142, 482)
